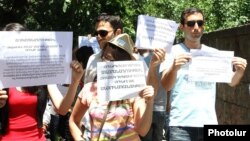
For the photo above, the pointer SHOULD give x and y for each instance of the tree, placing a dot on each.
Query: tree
(79, 16)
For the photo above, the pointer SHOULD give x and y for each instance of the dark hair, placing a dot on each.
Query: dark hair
(114, 20)
(82, 55)
(117, 53)
(188, 12)
(14, 27)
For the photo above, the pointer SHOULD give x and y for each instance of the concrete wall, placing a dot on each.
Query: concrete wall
(233, 104)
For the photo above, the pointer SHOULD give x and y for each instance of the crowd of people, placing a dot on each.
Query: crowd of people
(167, 103)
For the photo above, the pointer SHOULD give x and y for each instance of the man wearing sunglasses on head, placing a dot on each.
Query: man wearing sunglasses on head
(192, 103)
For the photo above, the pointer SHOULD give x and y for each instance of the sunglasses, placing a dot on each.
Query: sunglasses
(192, 23)
(102, 33)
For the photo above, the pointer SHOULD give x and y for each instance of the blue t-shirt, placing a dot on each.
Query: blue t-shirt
(192, 102)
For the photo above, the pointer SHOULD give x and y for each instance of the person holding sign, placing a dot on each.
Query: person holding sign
(22, 110)
(192, 102)
(114, 120)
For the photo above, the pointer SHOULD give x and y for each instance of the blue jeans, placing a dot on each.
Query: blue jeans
(156, 131)
(186, 133)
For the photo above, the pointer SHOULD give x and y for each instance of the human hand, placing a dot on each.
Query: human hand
(240, 64)
(158, 57)
(77, 71)
(180, 60)
(3, 98)
(147, 93)
(45, 127)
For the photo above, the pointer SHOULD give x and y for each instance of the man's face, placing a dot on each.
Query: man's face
(193, 27)
(104, 32)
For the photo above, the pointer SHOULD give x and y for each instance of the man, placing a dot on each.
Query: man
(192, 103)
(107, 27)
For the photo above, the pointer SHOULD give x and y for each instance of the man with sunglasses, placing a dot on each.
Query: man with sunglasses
(106, 28)
(192, 103)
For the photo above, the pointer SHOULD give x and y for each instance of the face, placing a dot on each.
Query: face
(104, 32)
(193, 27)
(108, 55)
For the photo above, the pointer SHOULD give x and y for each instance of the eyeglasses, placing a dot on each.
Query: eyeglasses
(192, 23)
(102, 33)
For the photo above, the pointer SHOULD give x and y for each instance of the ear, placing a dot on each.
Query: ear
(181, 27)
(118, 31)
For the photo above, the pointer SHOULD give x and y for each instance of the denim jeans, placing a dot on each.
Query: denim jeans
(186, 133)
(156, 131)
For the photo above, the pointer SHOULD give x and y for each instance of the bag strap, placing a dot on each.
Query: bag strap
(104, 119)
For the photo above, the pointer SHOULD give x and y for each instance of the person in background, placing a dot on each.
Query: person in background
(107, 27)
(192, 103)
(22, 108)
(159, 108)
(82, 54)
(125, 119)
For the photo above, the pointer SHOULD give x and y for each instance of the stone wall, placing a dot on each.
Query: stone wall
(233, 104)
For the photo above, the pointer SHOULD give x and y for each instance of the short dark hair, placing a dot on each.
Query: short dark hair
(14, 27)
(188, 12)
(82, 55)
(114, 20)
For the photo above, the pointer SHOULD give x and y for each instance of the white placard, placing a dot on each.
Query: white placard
(119, 80)
(30, 58)
(211, 66)
(155, 32)
(89, 41)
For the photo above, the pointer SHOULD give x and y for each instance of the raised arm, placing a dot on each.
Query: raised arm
(169, 75)
(157, 58)
(62, 104)
(240, 65)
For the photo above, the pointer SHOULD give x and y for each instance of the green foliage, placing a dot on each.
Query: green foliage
(79, 15)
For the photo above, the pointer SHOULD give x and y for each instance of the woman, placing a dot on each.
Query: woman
(22, 108)
(114, 120)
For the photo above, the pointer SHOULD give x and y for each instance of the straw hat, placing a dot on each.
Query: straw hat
(124, 42)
